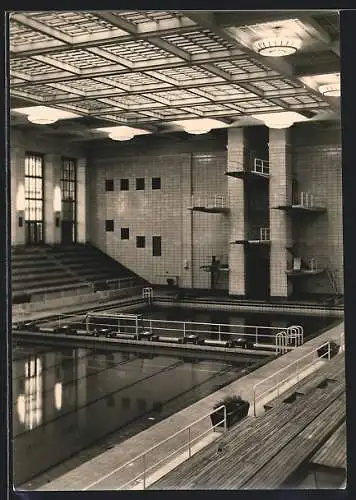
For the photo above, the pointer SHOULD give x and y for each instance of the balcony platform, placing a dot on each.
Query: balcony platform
(247, 174)
(303, 272)
(210, 210)
(222, 268)
(298, 209)
(250, 242)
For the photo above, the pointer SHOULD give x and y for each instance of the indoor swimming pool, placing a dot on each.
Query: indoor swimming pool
(76, 397)
(85, 399)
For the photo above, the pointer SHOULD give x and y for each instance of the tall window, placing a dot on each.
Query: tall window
(156, 246)
(34, 205)
(69, 198)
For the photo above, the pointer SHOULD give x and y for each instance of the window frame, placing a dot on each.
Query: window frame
(122, 181)
(143, 240)
(108, 223)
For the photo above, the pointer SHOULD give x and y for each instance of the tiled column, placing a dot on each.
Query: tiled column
(81, 200)
(52, 175)
(280, 193)
(237, 213)
(187, 221)
(17, 161)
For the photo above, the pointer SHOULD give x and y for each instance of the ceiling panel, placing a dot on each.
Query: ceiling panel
(144, 67)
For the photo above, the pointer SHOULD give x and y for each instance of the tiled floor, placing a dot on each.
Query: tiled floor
(99, 474)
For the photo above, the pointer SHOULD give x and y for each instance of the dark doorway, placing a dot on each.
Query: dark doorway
(257, 272)
(68, 233)
(34, 232)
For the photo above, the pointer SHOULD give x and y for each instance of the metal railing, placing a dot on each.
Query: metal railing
(310, 265)
(115, 283)
(139, 467)
(60, 294)
(253, 333)
(285, 374)
(257, 233)
(209, 201)
(305, 199)
(48, 294)
(260, 166)
(264, 234)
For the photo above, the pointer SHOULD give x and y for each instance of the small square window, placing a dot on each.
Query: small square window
(125, 233)
(109, 225)
(140, 242)
(124, 184)
(156, 183)
(140, 184)
(109, 185)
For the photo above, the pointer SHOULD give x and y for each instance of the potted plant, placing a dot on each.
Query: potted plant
(334, 349)
(236, 409)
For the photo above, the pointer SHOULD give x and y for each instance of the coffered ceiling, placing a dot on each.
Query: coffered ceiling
(147, 69)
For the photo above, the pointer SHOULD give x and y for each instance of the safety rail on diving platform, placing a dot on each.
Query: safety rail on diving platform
(145, 468)
(209, 201)
(260, 166)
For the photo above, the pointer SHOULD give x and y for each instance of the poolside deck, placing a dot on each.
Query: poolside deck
(99, 473)
(263, 453)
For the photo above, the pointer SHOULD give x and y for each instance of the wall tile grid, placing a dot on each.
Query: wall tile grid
(318, 170)
(164, 213)
(149, 212)
(210, 230)
(190, 238)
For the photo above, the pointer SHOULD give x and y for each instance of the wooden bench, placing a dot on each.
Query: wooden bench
(251, 445)
(245, 462)
(246, 434)
(331, 371)
(333, 453)
(258, 452)
(299, 449)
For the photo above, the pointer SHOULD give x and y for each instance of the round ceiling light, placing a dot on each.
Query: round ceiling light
(121, 135)
(197, 129)
(42, 119)
(330, 90)
(277, 45)
(279, 123)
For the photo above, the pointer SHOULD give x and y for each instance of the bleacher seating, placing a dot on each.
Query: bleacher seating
(46, 270)
(265, 451)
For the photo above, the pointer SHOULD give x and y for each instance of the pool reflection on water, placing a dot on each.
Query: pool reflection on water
(64, 400)
(67, 399)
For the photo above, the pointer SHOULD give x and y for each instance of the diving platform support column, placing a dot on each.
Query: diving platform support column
(236, 195)
(280, 193)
